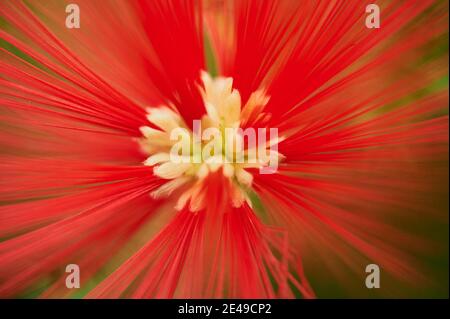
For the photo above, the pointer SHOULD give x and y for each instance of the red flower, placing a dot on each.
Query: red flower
(86, 176)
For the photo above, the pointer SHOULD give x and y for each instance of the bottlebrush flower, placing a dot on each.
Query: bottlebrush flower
(86, 175)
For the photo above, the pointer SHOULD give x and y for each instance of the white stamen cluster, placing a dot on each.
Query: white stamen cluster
(223, 111)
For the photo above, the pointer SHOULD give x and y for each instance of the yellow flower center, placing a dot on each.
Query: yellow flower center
(216, 142)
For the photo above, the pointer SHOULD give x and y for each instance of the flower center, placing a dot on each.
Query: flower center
(216, 143)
